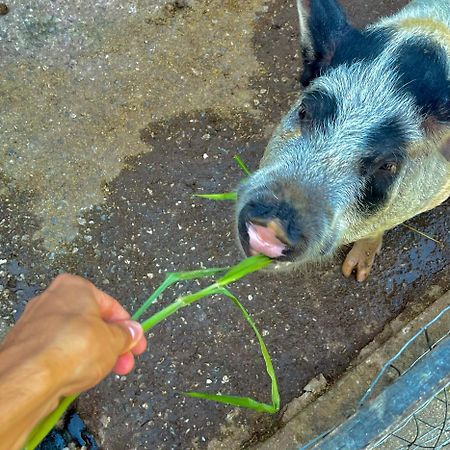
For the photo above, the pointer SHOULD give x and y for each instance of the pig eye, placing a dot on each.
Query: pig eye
(302, 114)
(390, 167)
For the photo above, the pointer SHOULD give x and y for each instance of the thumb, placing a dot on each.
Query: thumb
(125, 335)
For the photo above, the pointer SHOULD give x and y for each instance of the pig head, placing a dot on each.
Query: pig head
(364, 148)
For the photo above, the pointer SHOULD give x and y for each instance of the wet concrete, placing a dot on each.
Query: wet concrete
(110, 197)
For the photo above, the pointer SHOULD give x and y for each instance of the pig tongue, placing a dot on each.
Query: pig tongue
(263, 240)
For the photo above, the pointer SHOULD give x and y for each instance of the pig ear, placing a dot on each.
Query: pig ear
(323, 25)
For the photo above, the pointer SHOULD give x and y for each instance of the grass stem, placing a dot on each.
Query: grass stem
(233, 274)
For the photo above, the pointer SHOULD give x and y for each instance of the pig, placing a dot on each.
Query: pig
(366, 145)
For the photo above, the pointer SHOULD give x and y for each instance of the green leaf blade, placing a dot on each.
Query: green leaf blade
(233, 400)
(242, 165)
(196, 274)
(219, 197)
(246, 402)
(276, 402)
(245, 267)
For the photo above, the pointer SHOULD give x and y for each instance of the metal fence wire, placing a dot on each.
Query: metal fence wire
(407, 404)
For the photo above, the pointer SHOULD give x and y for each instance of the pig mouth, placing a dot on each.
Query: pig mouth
(266, 240)
(262, 240)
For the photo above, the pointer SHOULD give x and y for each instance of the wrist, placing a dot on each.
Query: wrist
(28, 393)
(31, 368)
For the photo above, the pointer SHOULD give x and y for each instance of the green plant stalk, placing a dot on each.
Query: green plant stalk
(172, 278)
(245, 267)
(176, 305)
(242, 269)
(46, 425)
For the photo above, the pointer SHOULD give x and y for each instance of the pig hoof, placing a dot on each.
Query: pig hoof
(361, 257)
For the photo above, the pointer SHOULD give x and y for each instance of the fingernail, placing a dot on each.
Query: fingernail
(135, 330)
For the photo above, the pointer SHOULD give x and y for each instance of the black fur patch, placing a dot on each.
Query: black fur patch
(317, 109)
(382, 162)
(423, 73)
(354, 46)
(327, 24)
(335, 41)
(360, 46)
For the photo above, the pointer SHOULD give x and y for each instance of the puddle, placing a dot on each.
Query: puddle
(421, 258)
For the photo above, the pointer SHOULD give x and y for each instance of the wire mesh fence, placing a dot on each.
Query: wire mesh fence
(427, 428)
(407, 404)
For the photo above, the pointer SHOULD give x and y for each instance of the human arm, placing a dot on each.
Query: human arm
(67, 340)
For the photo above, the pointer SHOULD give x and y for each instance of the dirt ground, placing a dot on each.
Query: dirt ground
(98, 164)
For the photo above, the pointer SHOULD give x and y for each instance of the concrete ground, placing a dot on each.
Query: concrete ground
(112, 115)
(323, 409)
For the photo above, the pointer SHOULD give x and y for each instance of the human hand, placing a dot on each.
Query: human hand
(78, 332)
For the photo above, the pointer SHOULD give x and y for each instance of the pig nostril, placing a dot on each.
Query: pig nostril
(260, 211)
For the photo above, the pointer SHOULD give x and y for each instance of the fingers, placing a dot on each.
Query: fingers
(130, 342)
(111, 311)
(124, 364)
(140, 347)
(126, 338)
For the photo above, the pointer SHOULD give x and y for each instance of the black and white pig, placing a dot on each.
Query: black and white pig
(364, 148)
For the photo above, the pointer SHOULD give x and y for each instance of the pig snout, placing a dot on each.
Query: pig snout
(269, 228)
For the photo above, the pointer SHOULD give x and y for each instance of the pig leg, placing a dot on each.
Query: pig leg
(361, 257)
